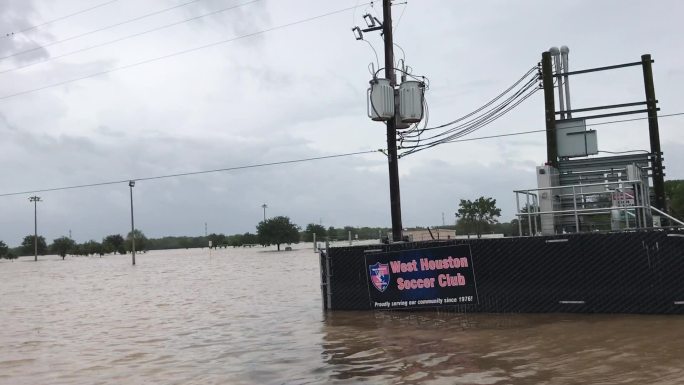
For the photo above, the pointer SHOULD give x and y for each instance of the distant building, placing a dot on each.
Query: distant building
(442, 234)
(424, 235)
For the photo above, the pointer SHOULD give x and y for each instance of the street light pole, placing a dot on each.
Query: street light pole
(35, 200)
(131, 184)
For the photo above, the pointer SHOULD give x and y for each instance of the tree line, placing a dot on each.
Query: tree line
(64, 246)
(473, 217)
(674, 193)
(273, 231)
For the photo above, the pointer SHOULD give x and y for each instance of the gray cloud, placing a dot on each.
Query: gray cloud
(294, 93)
(16, 16)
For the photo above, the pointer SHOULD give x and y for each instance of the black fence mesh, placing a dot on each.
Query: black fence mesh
(635, 272)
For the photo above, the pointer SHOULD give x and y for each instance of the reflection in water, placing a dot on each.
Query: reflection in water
(452, 348)
(254, 317)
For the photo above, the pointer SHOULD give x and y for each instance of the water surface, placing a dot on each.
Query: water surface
(253, 316)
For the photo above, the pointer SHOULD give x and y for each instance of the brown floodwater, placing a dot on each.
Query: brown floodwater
(251, 316)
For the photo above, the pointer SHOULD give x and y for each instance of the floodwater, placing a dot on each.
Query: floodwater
(253, 316)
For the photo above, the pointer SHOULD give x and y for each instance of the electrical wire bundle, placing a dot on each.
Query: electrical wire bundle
(413, 140)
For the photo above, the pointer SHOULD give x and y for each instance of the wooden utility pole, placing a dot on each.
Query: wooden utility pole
(395, 199)
(654, 134)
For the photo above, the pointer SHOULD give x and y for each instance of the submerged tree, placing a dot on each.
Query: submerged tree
(92, 247)
(140, 240)
(277, 230)
(217, 240)
(3, 249)
(62, 245)
(114, 244)
(28, 247)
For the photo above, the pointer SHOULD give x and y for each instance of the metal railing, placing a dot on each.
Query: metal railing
(670, 217)
(640, 209)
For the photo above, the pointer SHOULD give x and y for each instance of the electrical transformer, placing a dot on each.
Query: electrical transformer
(380, 100)
(411, 97)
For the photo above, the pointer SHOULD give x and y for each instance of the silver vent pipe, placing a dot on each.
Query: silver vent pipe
(556, 54)
(564, 50)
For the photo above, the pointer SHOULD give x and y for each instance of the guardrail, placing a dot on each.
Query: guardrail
(636, 193)
(666, 215)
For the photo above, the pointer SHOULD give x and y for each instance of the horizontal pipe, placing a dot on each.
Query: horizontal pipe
(578, 185)
(570, 212)
(621, 158)
(602, 107)
(638, 63)
(617, 114)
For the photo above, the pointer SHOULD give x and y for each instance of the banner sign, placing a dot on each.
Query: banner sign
(438, 276)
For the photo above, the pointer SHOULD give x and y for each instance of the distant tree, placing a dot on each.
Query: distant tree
(27, 245)
(482, 211)
(114, 244)
(674, 192)
(312, 229)
(332, 233)
(92, 247)
(277, 230)
(346, 230)
(62, 245)
(4, 250)
(527, 221)
(250, 239)
(217, 240)
(470, 226)
(370, 232)
(508, 229)
(78, 250)
(238, 240)
(140, 240)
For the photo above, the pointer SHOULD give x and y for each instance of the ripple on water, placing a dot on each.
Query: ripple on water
(245, 317)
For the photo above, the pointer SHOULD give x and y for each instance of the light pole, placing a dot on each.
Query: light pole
(131, 184)
(35, 200)
(264, 206)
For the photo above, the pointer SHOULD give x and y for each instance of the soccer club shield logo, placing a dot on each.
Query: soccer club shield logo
(380, 276)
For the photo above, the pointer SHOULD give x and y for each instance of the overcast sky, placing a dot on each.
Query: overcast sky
(291, 93)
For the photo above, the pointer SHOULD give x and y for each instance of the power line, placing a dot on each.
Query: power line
(300, 160)
(538, 131)
(489, 103)
(183, 52)
(9, 34)
(396, 26)
(190, 173)
(100, 29)
(481, 119)
(129, 36)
